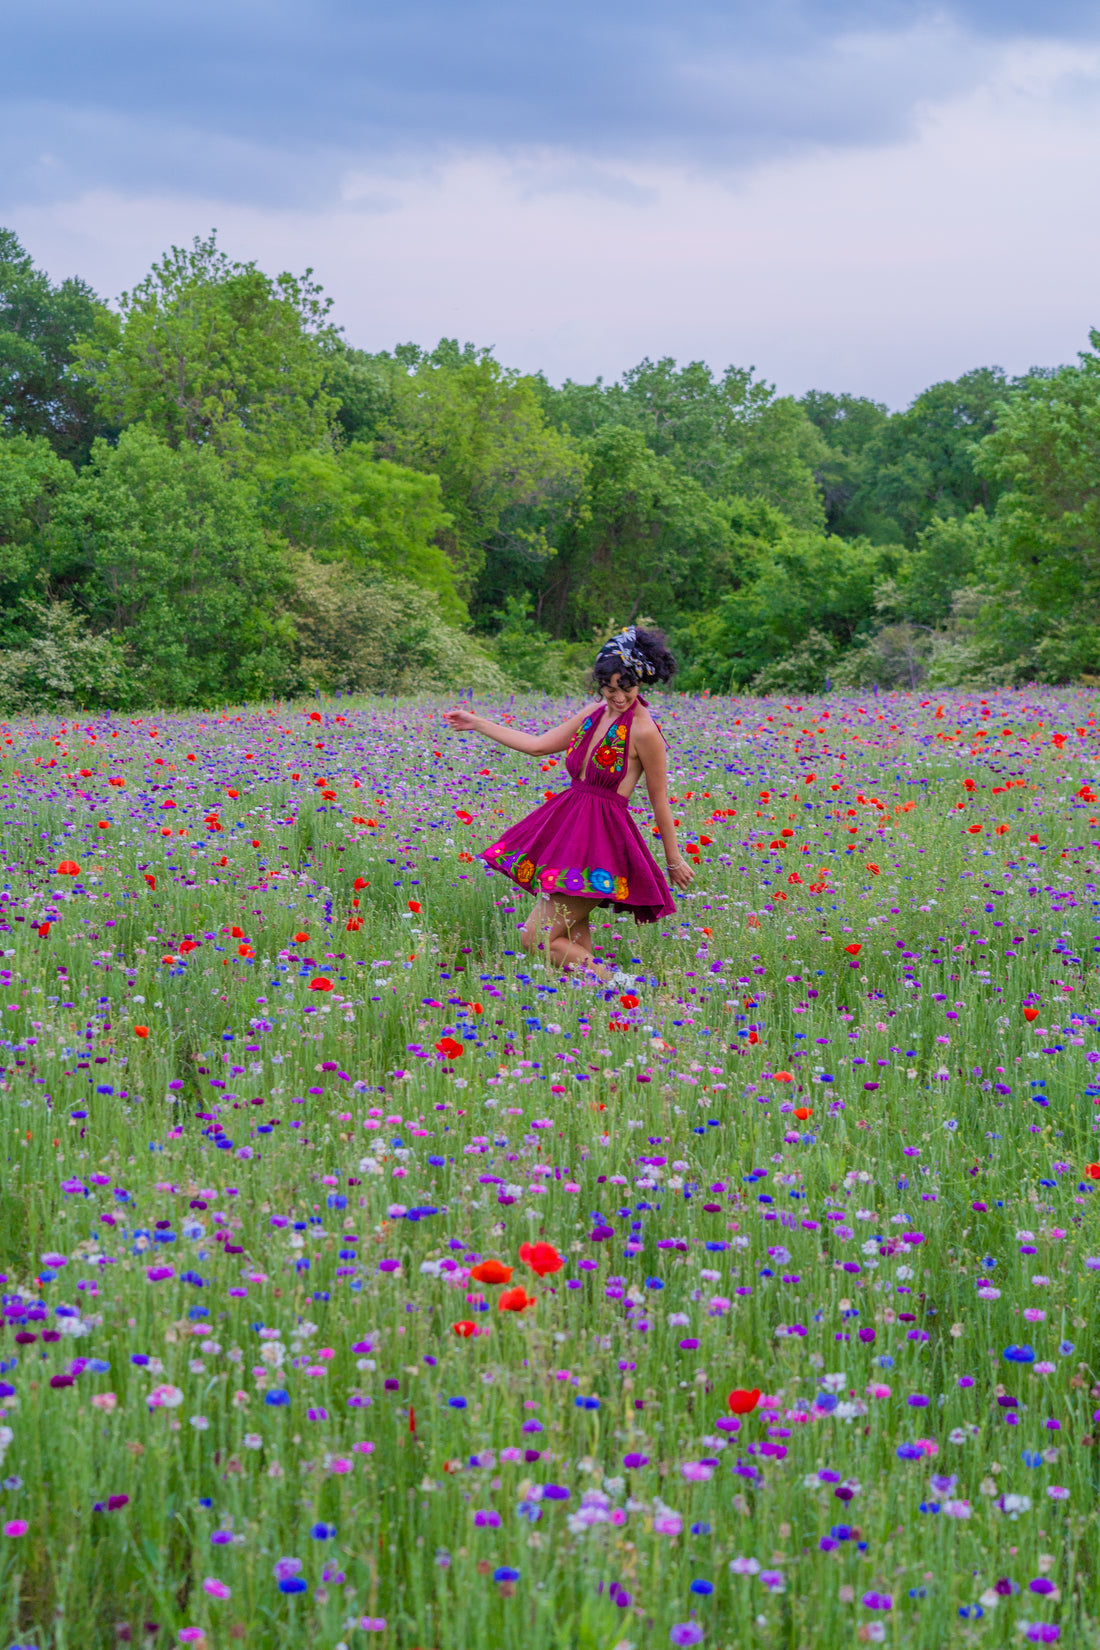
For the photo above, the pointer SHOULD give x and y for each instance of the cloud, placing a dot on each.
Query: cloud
(877, 270)
(263, 101)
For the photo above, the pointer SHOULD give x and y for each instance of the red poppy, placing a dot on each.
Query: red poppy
(43, 930)
(189, 945)
(237, 933)
(320, 984)
(515, 1300)
(233, 794)
(414, 906)
(874, 870)
(168, 960)
(450, 1048)
(754, 1036)
(245, 951)
(742, 1402)
(467, 819)
(68, 868)
(104, 824)
(1031, 1014)
(141, 1031)
(782, 1077)
(151, 880)
(1093, 1170)
(973, 829)
(465, 1328)
(492, 1271)
(361, 882)
(794, 877)
(802, 1112)
(629, 1000)
(301, 938)
(854, 949)
(542, 1258)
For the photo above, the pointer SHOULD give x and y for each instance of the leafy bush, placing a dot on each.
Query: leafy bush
(64, 666)
(379, 636)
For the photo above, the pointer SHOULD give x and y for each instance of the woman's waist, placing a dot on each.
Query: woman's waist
(605, 792)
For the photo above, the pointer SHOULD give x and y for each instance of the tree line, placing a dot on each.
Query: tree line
(208, 494)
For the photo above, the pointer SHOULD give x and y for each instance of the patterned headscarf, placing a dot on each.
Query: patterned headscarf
(624, 648)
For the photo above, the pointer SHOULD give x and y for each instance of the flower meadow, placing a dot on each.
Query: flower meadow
(364, 1282)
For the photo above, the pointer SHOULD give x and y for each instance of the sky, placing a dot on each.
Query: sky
(857, 195)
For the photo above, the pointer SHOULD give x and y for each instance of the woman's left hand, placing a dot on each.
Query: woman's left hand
(681, 874)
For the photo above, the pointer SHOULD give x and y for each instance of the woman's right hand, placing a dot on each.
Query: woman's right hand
(460, 720)
(681, 874)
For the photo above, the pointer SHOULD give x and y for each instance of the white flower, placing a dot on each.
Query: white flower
(200, 1423)
(252, 1440)
(273, 1353)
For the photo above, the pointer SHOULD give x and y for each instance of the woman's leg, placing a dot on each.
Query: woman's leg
(559, 926)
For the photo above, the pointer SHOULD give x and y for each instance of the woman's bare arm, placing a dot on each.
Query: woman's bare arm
(531, 744)
(651, 752)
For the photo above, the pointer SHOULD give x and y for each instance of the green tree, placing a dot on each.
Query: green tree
(922, 464)
(212, 353)
(649, 540)
(41, 393)
(731, 434)
(510, 481)
(380, 517)
(162, 546)
(795, 588)
(32, 479)
(1044, 554)
(849, 424)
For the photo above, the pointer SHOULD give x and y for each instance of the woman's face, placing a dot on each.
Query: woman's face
(616, 697)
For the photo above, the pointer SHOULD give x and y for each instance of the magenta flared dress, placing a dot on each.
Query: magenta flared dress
(584, 841)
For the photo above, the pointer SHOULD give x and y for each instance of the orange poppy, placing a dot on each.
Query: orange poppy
(742, 1402)
(542, 1258)
(492, 1271)
(515, 1300)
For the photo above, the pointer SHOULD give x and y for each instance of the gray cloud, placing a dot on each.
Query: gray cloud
(271, 103)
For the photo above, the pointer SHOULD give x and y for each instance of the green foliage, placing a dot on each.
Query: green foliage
(163, 545)
(731, 434)
(509, 479)
(1045, 453)
(378, 516)
(530, 658)
(62, 665)
(949, 554)
(649, 539)
(889, 476)
(209, 352)
(378, 635)
(32, 478)
(41, 394)
(798, 590)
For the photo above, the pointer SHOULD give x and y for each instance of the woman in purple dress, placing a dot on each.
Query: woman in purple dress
(582, 848)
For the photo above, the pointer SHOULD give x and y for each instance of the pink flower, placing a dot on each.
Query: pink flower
(216, 1588)
(15, 1526)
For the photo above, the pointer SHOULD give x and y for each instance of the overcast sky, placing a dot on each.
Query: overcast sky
(863, 195)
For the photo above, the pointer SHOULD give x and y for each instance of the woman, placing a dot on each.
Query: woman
(582, 848)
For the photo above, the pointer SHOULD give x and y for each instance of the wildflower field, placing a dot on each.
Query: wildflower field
(365, 1283)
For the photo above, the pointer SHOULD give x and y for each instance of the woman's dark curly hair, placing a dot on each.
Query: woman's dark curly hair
(654, 662)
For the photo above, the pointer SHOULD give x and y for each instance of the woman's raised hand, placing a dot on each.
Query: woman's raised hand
(460, 720)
